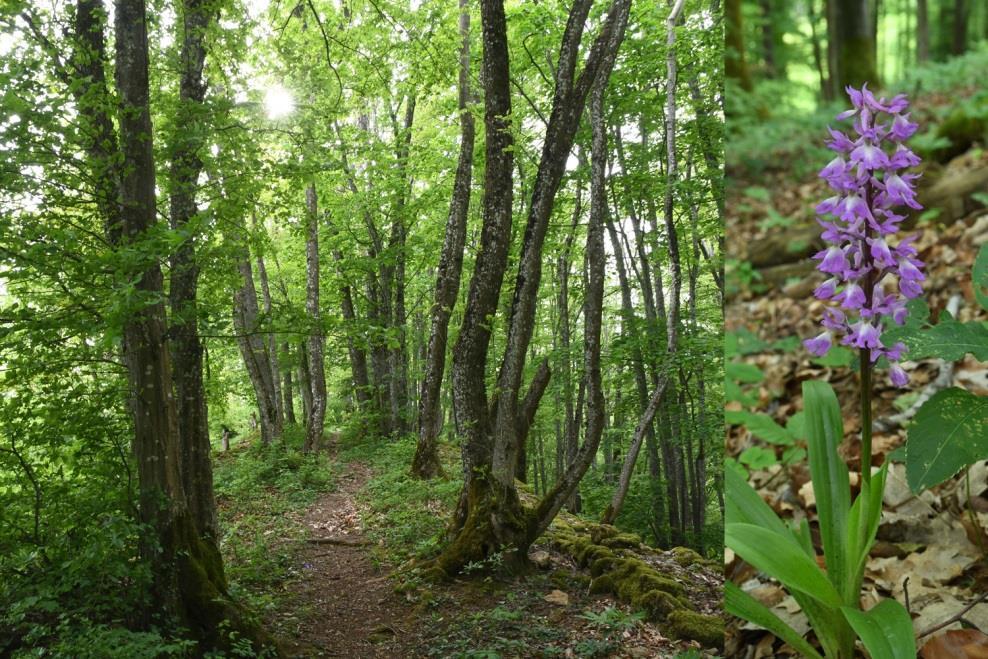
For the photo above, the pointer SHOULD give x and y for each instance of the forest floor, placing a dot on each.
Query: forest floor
(931, 549)
(330, 574)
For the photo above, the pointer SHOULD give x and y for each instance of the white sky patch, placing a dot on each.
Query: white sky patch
(7, 42)
(278, 102)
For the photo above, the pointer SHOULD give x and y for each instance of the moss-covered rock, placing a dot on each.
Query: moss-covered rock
(962, 129)
(707, 630)
(686, 556)
(602, 584)
(560, 578)
(599, 532)
(658, 604)
(602, 565)
(622, 541)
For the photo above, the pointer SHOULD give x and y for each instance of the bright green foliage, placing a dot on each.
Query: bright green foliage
(847, 529)
(886, 630)
(950, 432)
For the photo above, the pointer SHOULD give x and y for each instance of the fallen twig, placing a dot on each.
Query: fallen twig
(954, 618)
(345, 542)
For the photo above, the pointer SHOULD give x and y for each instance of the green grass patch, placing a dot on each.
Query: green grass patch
(262, 492)
(408, 514)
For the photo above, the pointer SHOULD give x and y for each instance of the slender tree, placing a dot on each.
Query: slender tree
(426, 462)
(316, 371)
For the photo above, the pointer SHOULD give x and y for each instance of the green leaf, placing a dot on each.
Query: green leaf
(886, 630)
(796, 425)
(949, 340)
(781, 557)
(757, 457)
(745, 506)
(742, 372)
(831, 483)
(836, 357)
(741, 604)
(950, 432)
(980, 276)
(760, 425)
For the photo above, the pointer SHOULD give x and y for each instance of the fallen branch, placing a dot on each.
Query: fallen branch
(345, 542)
(944, 379)
(957, 617)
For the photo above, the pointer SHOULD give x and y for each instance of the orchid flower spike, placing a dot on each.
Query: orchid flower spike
(868, 276)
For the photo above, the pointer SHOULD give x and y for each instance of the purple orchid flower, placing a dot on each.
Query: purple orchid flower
(869, 183)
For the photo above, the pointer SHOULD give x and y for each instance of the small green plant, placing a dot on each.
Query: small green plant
(613, 619)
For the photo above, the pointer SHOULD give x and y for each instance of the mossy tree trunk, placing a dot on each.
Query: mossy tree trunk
(188, 585)
(426, 461)
(187, 351)
(490, 518)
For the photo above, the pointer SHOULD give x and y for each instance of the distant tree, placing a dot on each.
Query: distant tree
(922, 31)
(736, 66)
(854, 31)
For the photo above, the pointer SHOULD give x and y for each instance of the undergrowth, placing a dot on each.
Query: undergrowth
(760, 140)
(408, 514)
(262, 493)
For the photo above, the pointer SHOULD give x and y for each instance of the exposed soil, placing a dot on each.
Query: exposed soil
(346, 603)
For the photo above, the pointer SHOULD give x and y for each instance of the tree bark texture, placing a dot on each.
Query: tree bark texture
(491, 517)
(856, 48)
(569, 101)
(253, 347)
(317, 373)
(186, 347)
(426, 462)
(271, 338)
(188, 583)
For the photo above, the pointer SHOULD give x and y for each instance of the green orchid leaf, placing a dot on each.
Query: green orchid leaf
(781, 557)
(886, 630)
(831, 483)
(741, 604)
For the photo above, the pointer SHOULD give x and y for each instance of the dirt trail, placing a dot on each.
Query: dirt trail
(346, 603)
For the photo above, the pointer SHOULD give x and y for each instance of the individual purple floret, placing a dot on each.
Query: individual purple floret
(861, 263)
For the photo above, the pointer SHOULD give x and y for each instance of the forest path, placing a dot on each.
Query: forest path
(346, 603)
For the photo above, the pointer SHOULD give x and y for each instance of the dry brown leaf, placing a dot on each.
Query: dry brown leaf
(957, 644)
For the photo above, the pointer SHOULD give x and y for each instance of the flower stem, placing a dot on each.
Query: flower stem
(866, 370)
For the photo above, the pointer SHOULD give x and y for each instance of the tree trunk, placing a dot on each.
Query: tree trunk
(959, 42)
(595, 260)
(188, 583)
(856, 49)
(358, 356)
(490, 517)
(289, 403)
(825, 90)
(735, 64)
(426, 462)
(253, 347)
(768, 39)
(527, 414)
(399, 353)
(186, 347)
(305, 383)
(317, 373)
(569, 101)
(272, 340)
